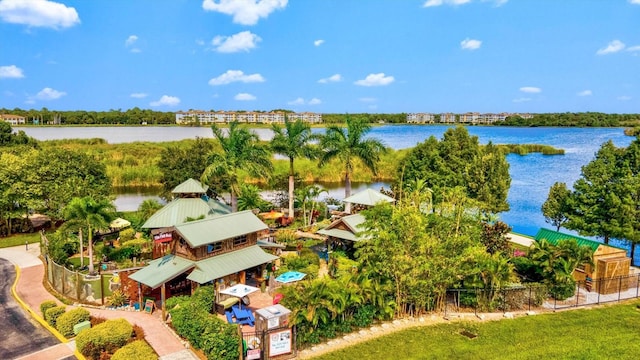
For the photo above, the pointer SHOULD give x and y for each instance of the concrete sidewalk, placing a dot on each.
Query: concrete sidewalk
(31, 291)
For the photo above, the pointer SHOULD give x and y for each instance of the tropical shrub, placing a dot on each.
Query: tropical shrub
(68, 320)
(53, 313)
(118, 298)
(137, 350)
(193, 321)
(127, 234)
(46, 305)
(105, 337)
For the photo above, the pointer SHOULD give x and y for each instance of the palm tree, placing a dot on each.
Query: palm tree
(347, 145)
(89, 214)
(293, 141)
(309, 194)
(249, 198)
(241, 151)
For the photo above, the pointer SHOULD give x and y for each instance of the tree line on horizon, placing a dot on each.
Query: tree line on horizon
(137, 116)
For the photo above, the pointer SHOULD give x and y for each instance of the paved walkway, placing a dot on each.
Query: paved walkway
(31, 290)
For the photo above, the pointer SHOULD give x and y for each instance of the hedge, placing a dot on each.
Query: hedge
(193, 321)
(68, 320)
(46, 305)
(53, 313)
(137, 350)
(107, 336)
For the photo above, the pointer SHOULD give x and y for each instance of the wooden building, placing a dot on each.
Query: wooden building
(610, 263)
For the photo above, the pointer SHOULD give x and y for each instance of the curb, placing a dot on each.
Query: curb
(38, 318)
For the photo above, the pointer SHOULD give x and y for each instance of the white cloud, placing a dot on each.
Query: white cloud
(301, 101)
(612, 47)
(200, 42)
(135, 50)
(378, 79)
(49, 94)
(245, 12)
(318, 42)
(470, 44)
(624, 98)
(242, 41)
(634, 48)
(166, 100)
(235, 76)
(522, 99)
(139, 95)
(585, 93)
(430, 3)
(368, 99)
(298, 101)
(10, 72)
(244, 97)
(635, 2)
(38, 13)
(530, 89)
(130, 40)
(332, 78)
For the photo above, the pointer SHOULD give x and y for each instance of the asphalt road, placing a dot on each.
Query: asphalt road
(19, 333)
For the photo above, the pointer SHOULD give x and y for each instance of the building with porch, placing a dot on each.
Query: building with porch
(221, 250)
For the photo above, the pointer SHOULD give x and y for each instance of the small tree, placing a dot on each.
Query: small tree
(556, 209)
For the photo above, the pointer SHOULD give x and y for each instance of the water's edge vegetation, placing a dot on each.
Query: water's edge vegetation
(136, 164)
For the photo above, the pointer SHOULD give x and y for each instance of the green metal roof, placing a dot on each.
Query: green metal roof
(161, 270)
(222, 227)
(190, 186)
(354, 224)
(554, 237)
(230, 263)
(178, 210)
(368, 197)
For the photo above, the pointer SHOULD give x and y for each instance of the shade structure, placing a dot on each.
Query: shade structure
(239, 290)
(368, 197)
(271, 215)
(290, 276)
(119, 223)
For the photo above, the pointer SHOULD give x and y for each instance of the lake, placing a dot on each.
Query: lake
(532, 175)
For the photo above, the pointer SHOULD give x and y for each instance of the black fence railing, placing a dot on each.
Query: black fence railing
(275, 343)
(536, 296)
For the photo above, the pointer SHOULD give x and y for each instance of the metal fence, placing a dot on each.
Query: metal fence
(527, 298)
(80, 287)
(277, 343)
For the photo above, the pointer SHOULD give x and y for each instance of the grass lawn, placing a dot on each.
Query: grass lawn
(75, 261)
(609, 332)
(19, 239)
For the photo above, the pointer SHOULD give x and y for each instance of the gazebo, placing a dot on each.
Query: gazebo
(368, 197)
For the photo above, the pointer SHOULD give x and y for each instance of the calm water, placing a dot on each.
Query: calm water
(532, 175)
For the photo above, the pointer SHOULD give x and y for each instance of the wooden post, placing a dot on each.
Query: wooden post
(140, 304)
(162, 295)
(102, 288)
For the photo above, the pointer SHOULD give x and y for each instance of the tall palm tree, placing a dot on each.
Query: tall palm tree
(293, 141)
(347, 145)
(89, 214)
(241, 151)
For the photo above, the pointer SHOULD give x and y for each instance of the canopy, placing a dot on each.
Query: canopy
(368, 197)
(239, 290)
(290, 276)
(271, 215)
(119, 223)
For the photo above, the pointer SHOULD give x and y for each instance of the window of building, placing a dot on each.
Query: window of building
(240, 240)
(214, 247)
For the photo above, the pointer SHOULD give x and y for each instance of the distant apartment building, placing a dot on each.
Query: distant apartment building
(308, 117)
(420, 118)
(447, 118)
(469, 118)
(492, 118)
(13, 119)
(225, 117)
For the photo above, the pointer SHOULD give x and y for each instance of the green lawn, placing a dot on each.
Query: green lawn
(604, 333)
(15, 240)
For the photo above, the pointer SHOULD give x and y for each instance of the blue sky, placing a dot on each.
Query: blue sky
(327, 56)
